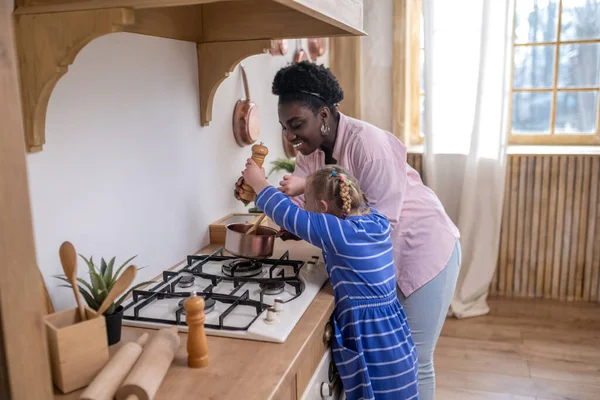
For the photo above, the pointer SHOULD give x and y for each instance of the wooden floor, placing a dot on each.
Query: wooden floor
(525, 349)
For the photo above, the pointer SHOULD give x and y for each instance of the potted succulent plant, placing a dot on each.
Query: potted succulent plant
(95, 291)
(281, 164)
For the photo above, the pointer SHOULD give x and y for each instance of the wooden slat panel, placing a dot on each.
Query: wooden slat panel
(414, 160)
(574, 240)
(410, 159)
(596, 258)
(550, 232)
(505, 234)
(499, 275)
(567, 227)
(552, 208)
(535, 277)
(544, 233)
(560, 222)
(591, 270)
(583, 228)
(520, 225)
(528, 272)
(512, 234)
(419, 165)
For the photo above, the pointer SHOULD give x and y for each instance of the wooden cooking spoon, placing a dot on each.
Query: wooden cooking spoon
(254, 227)
(118, 288)
(68, 259)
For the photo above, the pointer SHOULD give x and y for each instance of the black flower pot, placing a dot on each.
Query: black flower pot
(113, 326)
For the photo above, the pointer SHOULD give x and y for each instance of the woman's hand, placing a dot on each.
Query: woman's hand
(292, 185)
(237, 192)
(255, 176)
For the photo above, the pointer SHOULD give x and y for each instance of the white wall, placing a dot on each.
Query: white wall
(127, 169)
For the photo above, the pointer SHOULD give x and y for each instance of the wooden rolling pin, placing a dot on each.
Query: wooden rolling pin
(145, 378)
(259, 152)
(105, 384)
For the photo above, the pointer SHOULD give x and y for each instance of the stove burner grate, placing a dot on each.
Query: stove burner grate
(186, 281)
(209, 305)
(275, 275)
(242, 268)
(271, 288)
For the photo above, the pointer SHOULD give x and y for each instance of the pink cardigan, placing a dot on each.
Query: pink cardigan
(423, 235)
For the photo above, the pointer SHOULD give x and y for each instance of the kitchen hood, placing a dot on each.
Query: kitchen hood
(50, 34)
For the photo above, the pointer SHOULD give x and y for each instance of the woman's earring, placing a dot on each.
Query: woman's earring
(324, 129)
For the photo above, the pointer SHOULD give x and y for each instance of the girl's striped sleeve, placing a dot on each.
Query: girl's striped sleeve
(285, 213)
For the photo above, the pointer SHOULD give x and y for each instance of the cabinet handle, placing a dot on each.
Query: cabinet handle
(328, 333)
(326, 390)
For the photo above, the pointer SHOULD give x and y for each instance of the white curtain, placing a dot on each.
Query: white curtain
(467, 70)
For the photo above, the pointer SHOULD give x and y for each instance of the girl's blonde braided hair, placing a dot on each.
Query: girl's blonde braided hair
(340, 190)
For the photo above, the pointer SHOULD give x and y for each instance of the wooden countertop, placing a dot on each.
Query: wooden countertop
(241, 369)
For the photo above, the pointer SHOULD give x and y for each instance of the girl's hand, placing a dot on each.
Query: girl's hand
(255, 176)
(292, 185)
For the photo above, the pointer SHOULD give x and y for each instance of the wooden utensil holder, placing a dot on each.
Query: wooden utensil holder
(78, 349)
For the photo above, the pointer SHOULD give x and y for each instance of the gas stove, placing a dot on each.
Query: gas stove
(244, 298)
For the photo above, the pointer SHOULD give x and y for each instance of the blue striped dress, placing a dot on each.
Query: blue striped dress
(374, 350)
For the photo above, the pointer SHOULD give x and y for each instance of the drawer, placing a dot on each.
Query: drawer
(312, 358)
(325, 384)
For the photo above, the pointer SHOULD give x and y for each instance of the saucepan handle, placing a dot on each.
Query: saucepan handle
(286, 235)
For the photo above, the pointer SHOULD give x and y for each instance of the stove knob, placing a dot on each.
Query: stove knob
(271, 317)
(278, 305)
(326, 390)
(311, 266)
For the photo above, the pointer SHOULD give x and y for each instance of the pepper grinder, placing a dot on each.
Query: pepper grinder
(197, 347)
(259, 152)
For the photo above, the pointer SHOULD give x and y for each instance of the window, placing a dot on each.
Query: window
(555, 72)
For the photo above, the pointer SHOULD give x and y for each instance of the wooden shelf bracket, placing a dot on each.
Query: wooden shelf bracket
(47, 44)
(215, 62)
(50, 34)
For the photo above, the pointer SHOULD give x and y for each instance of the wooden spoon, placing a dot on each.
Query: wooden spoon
(256, 224)
(118, 288)
(68, 259)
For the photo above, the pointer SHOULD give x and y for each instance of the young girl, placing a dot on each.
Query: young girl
(374, 351)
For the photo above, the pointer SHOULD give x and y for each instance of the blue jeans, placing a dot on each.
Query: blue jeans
(426, 310)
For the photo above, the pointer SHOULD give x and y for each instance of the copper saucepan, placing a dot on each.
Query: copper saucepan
(279, 48)
(300, 53)
(256, 245)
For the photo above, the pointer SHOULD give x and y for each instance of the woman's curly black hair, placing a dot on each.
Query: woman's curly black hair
(313, 85)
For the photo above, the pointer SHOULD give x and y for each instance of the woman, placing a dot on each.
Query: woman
(426, 242)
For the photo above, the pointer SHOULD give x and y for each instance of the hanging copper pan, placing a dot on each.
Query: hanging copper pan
(246, 119)
(280, 47)
(300, 53)
(316, 48)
